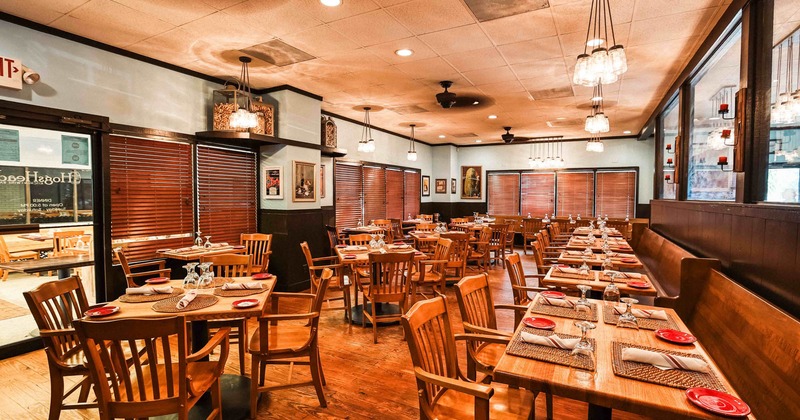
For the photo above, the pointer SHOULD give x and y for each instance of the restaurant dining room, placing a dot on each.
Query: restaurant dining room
(400, 209)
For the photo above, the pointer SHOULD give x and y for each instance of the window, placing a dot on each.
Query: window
(347, 185)
(151, 195)
(575, 193)
(394, 200)
(226, 193)
(669, 126)
(538, 193)
(616, 193)
(503, 193)
(411, 194)
(367, 191)
(711, 132)
(374, 192)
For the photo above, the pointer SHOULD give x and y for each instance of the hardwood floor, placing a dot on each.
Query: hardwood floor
(364, 380)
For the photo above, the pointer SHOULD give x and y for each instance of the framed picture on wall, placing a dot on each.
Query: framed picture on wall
(471, 182)
(426, 185)
(321, 181)
(273, 182)
(304, 180)
(453, 186)
(441, 186)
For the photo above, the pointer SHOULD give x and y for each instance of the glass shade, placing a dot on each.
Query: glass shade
(412, 156)
(601, 123)
(369, 147)
(619, 61)
(243, 119)
(594, 146)
(581, 75)
(589, 125)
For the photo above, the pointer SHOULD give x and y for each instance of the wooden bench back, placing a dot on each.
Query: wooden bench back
(755, 344)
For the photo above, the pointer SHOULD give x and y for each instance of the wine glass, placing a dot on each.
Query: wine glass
(381, 242)
(208, 242)
(199, 240)
(529, 215)
(584, 268)
(583, 300)
(191, 274)
(409, 216)
(628, 320)
(584, 346)
(611, 292)
(579, 216)
(373, 243)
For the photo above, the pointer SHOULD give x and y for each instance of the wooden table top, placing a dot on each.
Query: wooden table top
(220, 310)
(603, 387)
(48, 264)
(195, 254)
(363, 229)
(615, 244)
(584, 230)
(596, 260)
(597, 284)
(362, 257)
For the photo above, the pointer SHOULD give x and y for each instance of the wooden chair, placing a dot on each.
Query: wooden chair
(622, 226)
(457, 220)
(131, 276)
(388, 275)
(231, 265)
(6, 256)
(386, 225)
(497, 243)
(333, 238)
(61, 241)
(480, 253)
(154, 381)
(397, 231)
(274, 343)
(456, 267)
(259, 247)
(519, 281)
(443, 390)
(426, 217)
(543, 262)
(530, 227)
(316, 266)
(425, 227)
(360, 239)
(510, 236)
(55, 306)
(432, 273)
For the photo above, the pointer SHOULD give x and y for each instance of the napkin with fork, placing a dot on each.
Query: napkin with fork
(642, 313)
(148, 290)
(186, 299)
(664, 361)
(564, 303)
(251, 285)
(550, 340)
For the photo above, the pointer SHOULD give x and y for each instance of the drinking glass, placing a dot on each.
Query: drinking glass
(529, 215)
(381, 242)
(199, 240)
(583, 300)
(360, 224)
(208, 242)
(584, 347)
(584, 268)
(373, 243)
(627, 320)
(409, 216)
(206, 279)
(579, 216)
(611, 292)
(191, 274)
(80, 244)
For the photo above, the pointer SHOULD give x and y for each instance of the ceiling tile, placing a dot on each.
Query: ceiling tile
(388, 3)
(492, 89)
(432, 68)
(112, 22)
(40, 11)
(176, 46)
(386, 51)
(380, 75)
(574, 43)
(371, 28)
(221, 4)
(665, 28)
(424, 16)
(278, 53)
(354, 60)
(176, 12)
(545, 68)
(495, 75)
(486, 10)
(278, 18)
(320, 41)
(522, 27)
(652, 9)
(534, 50)
(450, 41)
(216, 30)
(346, 9)
(574, 17)
(475, 60)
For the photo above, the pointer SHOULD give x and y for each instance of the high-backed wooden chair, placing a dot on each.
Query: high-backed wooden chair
(388, 275)
(55, 306)
(6, 256)
(333, 238)
(397, 231)
(456, 267)
(276, 343)
(131, 276)
(61, 241)
(259, 247)
(155, 381)
(519, 281)
(432, 273)
(480, 253)
(386, 225)
(444, 392)
(457, 220)
(530, 227)
(541, 258)
(497, 243)
(425, 227)
(510, 236)
(426, 217)
(337, 282)
(360, 239)
(622, 226)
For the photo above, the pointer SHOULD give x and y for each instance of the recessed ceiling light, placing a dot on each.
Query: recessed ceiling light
(561, 118)
(475, 103)
(626, 132)
(331, 3)
(441, 136)
(595, 42)
(492, 117)
(478, 141)
(404, 52)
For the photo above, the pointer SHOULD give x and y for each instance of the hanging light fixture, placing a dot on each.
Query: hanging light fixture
(412, 151)
(531, 162)
(595, 145)
(244, 118)
(367, 143)
(603, 65)
(597, 122)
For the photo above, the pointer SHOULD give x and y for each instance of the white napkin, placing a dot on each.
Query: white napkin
(400, 246)
(550, 341)
(568, 270)
(578, 253)
(621, 275)
(664, 361)
(642, 313)
(355, 248)
(252, 285)
(186, 299)
(564, 303)
(148, 290)
(621, 255)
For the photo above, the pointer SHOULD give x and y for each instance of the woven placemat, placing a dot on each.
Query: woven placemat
(609, 317)
(200, 302)
(238, 292)
(517, 347)
(675, 378)
(176, 291)
(562, 275)
(543, 308)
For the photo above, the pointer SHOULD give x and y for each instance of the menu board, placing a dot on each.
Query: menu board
(74, 150)
(9, 145)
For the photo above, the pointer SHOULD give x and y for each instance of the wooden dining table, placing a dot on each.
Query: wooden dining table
(598, 282)
(235, 388)
(620, 260)
(603, 389)
(61, 264)
(195, 254)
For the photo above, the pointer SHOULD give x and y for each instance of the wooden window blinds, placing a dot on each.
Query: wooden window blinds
(394, 193)
(374, 182)
(411, 193)
(367, 192)
(348, 191)
(226, 193)
(575, 193)
(537, 193)
(503, 193)
(616, 193)
(151, 195)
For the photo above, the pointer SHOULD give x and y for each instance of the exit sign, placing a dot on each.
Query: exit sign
(10, 73)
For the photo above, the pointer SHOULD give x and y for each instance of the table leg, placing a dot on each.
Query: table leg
(63, 273)
(597, 412)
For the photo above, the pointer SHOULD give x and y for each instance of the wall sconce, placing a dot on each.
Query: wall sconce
(669, 149)
(30, 76)
(668, 179)
(723, 98)
(723, 162)
(669, 162)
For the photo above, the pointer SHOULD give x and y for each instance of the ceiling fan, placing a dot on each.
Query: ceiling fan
(449, 99)
(509, 137)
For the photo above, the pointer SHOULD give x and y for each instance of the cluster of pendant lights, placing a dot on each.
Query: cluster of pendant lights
(786, 108)
(412, 150)
(553, 160)
(243, 118)
(367, 143)
(603, 65)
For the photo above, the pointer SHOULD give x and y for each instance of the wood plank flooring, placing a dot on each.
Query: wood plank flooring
(365, 380)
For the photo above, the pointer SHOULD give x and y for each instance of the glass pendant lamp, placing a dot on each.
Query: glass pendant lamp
(603, 65)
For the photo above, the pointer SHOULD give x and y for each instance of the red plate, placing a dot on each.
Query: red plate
(717, 402)
(675, 336)
(245, 303)
(553, 294)
(540, 323)
(157, 280)
(639, 284)
(102, 311)
(262, 276)
(630, 260)
(349, 256)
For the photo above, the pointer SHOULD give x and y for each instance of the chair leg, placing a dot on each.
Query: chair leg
(374, 323)
(321, 372)
(56, 394)
(255, 364)
(216, 399)
(242, 343)
(549, 405)
(316, 376)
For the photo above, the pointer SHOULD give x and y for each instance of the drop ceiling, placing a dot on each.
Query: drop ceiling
(519, 53)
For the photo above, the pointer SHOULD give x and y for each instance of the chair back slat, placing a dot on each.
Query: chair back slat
(388, 273)
(426, 217)
(397, 229)
(228, 265)
(257, 246)
(475, 301)
(441, 253)
(56, 305)
(517, 277)
(61, 240)
(360, 239)
(425, 227)
(333, 237)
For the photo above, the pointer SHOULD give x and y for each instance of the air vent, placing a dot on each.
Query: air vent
(408, 109)
(465, 135)
(566, 123)
(278, 53)
(561, 92)
(494, 9)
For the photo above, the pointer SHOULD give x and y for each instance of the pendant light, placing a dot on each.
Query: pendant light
(597, 122)
(531, 162)
(367, 143)
(595, 145)
(244, 118)
(412, 151)
(603, 65)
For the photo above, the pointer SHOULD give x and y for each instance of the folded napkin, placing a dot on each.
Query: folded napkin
(568, 270)
(664, 361)
(404, 246)
(621, 255)
(355, 248)
(642, 313)
(621, 275)
(550, 340)
(578, 253)
(251, 285)
(187, 249)
(148, 290)
(219, 245)
(564, 303)
(186, 299)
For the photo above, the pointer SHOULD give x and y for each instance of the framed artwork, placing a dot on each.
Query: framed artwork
(471, 182)
(453, 186)
(304, 179)
(441, 186)
(426, 186)
(273, 182)
(321, 181)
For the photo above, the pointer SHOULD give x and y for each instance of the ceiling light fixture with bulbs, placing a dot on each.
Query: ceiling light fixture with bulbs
(331, 3)
(492, 117)
(404, 52)
(595, 145)
(597, 122)
(244, 118)
(367, 143)
(412, 151)
(603, 65)
(549, 162)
